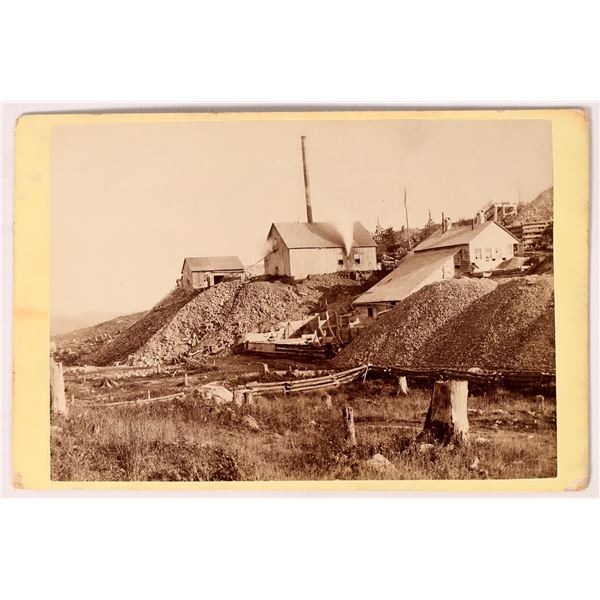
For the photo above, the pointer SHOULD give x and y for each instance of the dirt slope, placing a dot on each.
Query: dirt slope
(397, 337)
(541, 208)
(185, 321)
(118, 349)
(110, 327)
(510, 328)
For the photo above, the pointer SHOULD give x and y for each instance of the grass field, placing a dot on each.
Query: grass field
(296, 437)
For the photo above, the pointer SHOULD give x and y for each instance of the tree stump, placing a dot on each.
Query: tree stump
(185, 380)
(447, 419)
(265, 368)
(58, 402)
(349, 429)
(238, 397)
(402, 386)
(249, 397)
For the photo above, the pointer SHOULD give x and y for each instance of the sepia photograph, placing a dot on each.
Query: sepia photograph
(302, 300)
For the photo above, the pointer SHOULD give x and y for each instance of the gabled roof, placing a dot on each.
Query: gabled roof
(457, 236)
(320, 235)
(213, 263)
(408, 277)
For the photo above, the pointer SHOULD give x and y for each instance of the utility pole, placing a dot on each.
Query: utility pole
(309, 215)
(407, 228)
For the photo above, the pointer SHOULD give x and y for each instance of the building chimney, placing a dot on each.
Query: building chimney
(309, 215)
(443, 223)
(448, 224)
(480, 218)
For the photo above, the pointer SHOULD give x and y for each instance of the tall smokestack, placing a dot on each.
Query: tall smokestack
(309, 216)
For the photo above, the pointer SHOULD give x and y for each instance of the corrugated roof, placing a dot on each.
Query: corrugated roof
(321, 235)
(408, 277)
(457, 236)
(213, 263)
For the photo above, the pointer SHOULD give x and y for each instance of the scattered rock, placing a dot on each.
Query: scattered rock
(380, 464)
(251, 423)
(482, 440)
(215, 393)
(474, 464)
(423, 448)
(56, 429)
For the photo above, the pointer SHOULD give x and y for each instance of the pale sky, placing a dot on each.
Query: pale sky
(130, 201)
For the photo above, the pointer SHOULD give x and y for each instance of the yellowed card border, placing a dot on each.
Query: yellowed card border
(31, 439)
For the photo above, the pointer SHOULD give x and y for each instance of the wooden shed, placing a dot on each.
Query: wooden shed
(200, 272)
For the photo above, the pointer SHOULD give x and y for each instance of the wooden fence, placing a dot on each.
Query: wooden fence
(309, 384)
(499, 377)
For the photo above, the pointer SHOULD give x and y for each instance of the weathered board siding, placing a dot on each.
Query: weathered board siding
(278, 261)
(205, 279)
(313, 261)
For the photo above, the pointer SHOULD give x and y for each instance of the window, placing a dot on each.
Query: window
(488, 254)
(340, 262)
(357, 259)
(477, 253)
(465, 254)
(370, 311)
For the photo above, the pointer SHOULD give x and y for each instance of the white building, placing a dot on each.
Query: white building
(301, 249)
(450, 252)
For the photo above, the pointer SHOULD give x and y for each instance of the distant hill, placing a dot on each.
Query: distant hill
(541, 208)
(110, 327)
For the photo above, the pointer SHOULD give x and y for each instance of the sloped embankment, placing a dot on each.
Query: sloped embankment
(510, 328)
(397, 337)
(462, 324)
(119, 348)
(216, 317)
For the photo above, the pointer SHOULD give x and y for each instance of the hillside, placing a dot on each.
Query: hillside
(541, 208)
(215, 318)
(110, 327)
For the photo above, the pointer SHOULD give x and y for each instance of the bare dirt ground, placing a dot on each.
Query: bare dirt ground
(293, 437)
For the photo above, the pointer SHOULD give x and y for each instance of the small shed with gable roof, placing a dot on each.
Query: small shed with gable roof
(201, 272)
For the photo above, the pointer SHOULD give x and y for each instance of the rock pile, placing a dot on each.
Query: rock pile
(510, 328)
(189, 321)
(397, 337)
(218, 316)
(464, 323)
(119, 348)
(539, 209)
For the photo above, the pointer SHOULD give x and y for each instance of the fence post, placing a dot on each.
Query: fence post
(58, 402)
(350, 431)
(447, 419)
(249, 397)
(185, 380)
(402, 386)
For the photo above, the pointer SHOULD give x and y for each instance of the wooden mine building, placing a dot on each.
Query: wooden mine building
(301, 249)
(201, 272)
(450, 252)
